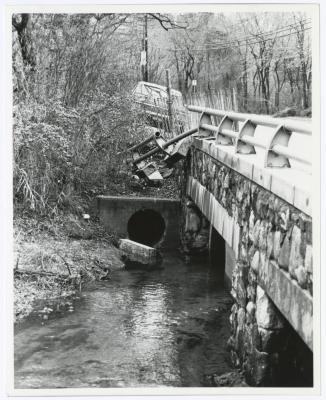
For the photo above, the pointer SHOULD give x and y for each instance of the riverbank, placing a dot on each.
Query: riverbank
(56, 258)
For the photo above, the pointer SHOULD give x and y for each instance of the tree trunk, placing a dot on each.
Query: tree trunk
(277, 88)
(304, 85)
(277, 99)
(245, 85)
(25, 40)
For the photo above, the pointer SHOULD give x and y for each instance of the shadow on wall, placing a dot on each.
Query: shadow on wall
(146, 227)
(217, 254)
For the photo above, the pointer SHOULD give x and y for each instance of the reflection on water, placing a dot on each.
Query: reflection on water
(166, 327)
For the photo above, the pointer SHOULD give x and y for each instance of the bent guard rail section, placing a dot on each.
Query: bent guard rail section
(277, 152)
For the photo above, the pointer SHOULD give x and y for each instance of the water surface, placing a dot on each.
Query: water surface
(164, 327)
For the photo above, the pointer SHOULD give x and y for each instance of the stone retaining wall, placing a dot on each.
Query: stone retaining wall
(274, 259)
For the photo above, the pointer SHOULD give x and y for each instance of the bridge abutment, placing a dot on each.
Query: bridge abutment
(195, 231)
(271, 319)
(258, 330)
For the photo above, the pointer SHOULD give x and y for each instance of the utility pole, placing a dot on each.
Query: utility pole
(144, 61)
(169, 100)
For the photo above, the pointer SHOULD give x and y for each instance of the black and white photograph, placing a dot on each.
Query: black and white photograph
(165, 195)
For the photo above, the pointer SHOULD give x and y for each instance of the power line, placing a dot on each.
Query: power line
(247, 40)
(236, 44)
(289, 27)
(268, 33)
(294, 23)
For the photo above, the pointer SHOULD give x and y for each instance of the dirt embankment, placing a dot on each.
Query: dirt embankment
(55, 259)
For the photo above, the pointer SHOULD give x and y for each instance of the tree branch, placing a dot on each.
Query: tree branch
(164, 19)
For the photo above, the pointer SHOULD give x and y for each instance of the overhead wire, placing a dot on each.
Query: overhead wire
(268, 33)
(242, 25)
(234, 43)
(227, 29)
(250, 38)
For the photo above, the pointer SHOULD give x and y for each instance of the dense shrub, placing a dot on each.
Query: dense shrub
(61, 153)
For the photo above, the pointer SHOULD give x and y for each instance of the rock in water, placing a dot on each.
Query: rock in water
(138, 255)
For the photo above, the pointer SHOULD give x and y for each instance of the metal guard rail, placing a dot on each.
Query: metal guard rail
(277, 154)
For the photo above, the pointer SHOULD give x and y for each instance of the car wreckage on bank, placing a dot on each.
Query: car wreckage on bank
(153, 99)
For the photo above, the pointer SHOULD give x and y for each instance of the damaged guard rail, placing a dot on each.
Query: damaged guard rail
(278, 154)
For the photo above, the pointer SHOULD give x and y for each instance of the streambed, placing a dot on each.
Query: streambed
(165, 327)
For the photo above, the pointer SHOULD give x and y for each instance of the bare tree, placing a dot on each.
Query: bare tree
(262, 49)
(304, 58)
(21, 23)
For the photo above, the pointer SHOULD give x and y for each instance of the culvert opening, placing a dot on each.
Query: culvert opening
(146, 227)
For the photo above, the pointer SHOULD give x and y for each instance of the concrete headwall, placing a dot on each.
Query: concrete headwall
(115, 212)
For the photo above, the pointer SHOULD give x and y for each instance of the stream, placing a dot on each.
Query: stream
(164, 327)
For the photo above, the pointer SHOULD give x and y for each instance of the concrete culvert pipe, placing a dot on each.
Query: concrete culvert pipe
(146, 227)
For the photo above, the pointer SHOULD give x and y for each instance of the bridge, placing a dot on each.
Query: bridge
(246, 197)
(247, 179)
